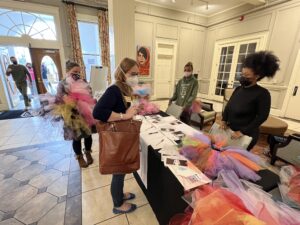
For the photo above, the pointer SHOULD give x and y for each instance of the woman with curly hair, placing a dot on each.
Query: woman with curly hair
(249, 105)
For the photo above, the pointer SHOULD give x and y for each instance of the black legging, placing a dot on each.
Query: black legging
(87, 144)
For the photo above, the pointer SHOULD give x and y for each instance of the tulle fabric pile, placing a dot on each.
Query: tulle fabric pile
(141, 94)
(209, 155)
(290, 185)
(74, 107)
(235, 202)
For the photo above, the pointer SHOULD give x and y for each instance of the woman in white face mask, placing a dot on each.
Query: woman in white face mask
(185, 92)
(113, 106)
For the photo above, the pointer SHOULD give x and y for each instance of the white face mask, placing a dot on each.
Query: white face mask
(187, 74)
(132, 81)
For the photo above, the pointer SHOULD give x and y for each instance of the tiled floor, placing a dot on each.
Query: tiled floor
(38, 185)
(41, 183)
(39, 180)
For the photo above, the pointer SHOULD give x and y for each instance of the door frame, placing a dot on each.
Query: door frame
(36, 63)
(168, 42)
(261, 44)
(290, 88)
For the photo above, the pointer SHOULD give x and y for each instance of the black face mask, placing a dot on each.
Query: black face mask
(75, 76)
(244, 81)
(15, 62)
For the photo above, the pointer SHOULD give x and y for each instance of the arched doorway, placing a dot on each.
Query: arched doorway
(47, 69)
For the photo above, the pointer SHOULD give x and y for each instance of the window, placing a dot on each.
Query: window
(90, 45)
(228, 61)
(34, 25)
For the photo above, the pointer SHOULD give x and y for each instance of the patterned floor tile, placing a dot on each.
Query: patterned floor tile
(14, 167)
(11, 221)
(8, 185)
(45, 179)
(59, 187)
(63, 165)
(51, 159)
(29, 172)
(17, 198)
(55, 216)
(36, 208)
(74, 210)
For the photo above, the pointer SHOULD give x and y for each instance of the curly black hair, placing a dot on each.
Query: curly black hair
(263, 64)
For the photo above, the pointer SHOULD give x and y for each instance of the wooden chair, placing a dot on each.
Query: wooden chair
(205, 116)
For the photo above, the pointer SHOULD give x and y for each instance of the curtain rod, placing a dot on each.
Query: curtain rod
(84, 5)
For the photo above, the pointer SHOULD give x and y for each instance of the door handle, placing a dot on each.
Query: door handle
(295, 90)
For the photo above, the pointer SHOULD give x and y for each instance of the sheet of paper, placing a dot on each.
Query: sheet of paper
(190, 182)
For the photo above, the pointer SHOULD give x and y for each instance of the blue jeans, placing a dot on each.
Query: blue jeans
(116, 189)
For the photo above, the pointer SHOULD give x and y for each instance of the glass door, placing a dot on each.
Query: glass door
(230, 57)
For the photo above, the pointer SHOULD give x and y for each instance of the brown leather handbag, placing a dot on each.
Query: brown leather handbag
(119, 151)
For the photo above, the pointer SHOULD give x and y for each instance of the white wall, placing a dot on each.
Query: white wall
(282, 23)
(190, 36)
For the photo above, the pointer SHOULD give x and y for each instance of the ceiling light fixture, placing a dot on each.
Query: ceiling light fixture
(174, 1)
(206, 2)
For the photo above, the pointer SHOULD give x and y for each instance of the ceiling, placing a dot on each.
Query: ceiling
(200, 7)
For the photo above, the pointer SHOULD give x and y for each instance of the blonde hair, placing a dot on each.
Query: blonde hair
(125, 65)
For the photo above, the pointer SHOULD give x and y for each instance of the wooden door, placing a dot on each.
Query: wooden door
(37, 55)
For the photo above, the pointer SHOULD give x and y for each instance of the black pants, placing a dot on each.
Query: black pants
(87, 144)
(255, 136)
(116, 189)
(186, 116)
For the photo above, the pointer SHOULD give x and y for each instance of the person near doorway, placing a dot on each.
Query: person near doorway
(185, 92)
(81, 123)
(33, 86)
(73, 104)
(19, 74)
(249, 106)
(46, 82)
(112, 107)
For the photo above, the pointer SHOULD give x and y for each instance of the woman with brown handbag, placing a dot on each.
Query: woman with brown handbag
(113, 107)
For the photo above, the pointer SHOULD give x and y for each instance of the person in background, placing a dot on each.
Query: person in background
(46, 82)
(249, 106)
(77, 122)
(185, 92)
(19, 74)
(33, 86)
(113, 106)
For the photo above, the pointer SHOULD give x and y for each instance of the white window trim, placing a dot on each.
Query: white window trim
(261, 45)
(87, 18)
(24, 42)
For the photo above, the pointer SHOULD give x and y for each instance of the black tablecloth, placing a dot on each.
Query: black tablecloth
(164, 191)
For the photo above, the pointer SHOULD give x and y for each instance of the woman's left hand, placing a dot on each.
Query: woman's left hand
(236, 135)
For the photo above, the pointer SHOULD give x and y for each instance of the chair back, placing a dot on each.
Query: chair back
(174, 110)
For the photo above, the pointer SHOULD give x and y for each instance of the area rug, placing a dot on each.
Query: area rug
(15, 114)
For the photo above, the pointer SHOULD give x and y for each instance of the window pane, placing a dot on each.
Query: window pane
(38, 26)
(89, 61)
(230, 49)
(224, 51)
(90, 42)
(229, 59)
(251, 48)
(241, 58)
(243, 48)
